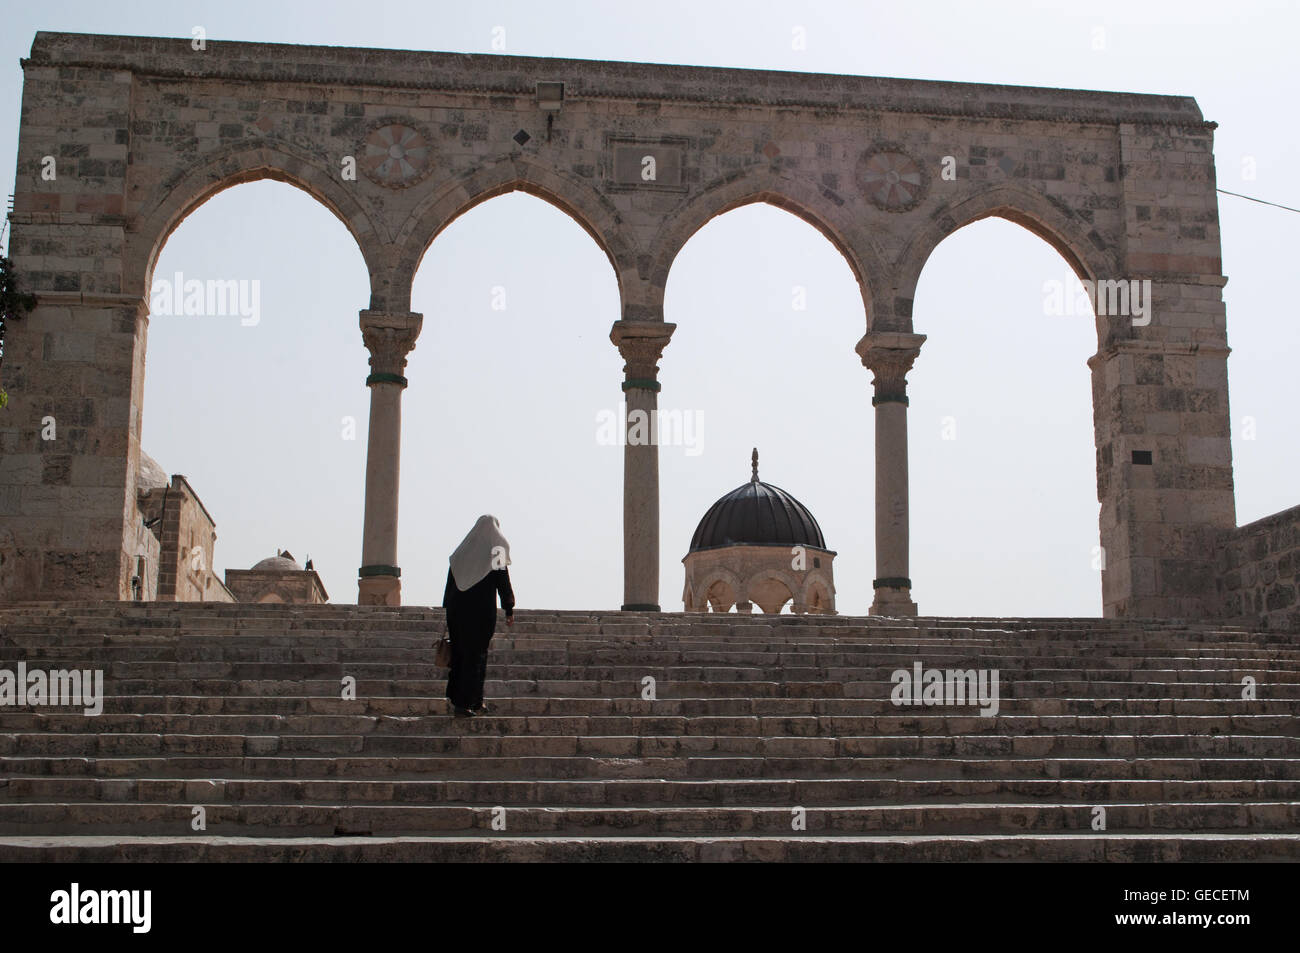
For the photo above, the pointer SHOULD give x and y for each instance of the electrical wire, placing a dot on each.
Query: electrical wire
(1260, 201)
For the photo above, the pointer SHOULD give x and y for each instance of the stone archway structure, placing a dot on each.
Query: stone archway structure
(397, 144)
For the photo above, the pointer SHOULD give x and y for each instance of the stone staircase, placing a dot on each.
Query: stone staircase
(767, 739)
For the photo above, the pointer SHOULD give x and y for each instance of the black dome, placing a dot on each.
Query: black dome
(757, 514)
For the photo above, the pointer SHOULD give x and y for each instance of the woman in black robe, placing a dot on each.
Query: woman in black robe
(476, 576)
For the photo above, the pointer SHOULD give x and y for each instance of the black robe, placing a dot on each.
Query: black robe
(471, 621)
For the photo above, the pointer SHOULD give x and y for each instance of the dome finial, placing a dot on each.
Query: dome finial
(753, 459)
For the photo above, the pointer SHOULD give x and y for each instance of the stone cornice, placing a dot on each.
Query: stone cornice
(92, 299)
(740, 547)
(600, 79)
(1137, 346)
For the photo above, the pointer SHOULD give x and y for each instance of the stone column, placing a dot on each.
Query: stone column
(889, 356)
(390, 337)
(642, 344)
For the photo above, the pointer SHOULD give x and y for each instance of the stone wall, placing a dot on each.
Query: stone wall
(276, 585)
(1259, 571)
(148, 557)
(188, 538)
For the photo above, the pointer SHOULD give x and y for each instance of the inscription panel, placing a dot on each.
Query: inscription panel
(647, 164)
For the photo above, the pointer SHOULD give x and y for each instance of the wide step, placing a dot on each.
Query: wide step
(759, 739)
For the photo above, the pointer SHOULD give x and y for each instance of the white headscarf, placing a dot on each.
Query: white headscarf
(481, 551)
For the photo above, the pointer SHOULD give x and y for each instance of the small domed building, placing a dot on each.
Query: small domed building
(277, 578)
(758, 545)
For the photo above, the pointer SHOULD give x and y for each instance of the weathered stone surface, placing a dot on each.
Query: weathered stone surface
(236, 708)
(1256, 566)
(144, 130)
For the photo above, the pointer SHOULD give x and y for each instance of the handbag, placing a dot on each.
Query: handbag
(442, 654)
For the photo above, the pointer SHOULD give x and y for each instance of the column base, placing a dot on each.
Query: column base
(893, 602)
(379, 591)
(639, 607)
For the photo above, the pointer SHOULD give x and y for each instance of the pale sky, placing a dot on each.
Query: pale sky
(1004, 516)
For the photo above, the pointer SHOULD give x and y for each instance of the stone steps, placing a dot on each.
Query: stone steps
(418, 662)
(613, 651)
(228, 618)
(502, 848)
(676, 766)
(618, 649)
(690, 684)
(398, 705)
(239, 709)
(40, 725)
(645, 746)
(327, 819)
(640, 792)
(210, 617)
(515, 688)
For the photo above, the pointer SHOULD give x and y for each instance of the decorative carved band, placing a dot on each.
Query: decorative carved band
(95, 299)
(378, 570)
(892, 582)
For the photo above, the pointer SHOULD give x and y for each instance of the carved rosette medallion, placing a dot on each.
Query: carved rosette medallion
(396, 155)
(892, 179)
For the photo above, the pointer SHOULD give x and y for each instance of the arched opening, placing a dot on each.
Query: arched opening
(768, 312)
(255, 383)
(817, 600)
(770, 594)
(1003, 494)
(512, 406)
(720, 596)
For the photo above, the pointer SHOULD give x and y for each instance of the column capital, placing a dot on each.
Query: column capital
(889, 356)
(642, 344)
(881, 350)
(390, 336)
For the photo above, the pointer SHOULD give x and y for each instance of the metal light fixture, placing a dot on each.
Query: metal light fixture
(550, 96)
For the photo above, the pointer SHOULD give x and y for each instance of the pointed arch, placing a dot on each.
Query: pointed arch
(162, 211)
(786, 578)
(1001, 511)
(817, 205)
(714, 576)
(453, 198)
(1075, 239)
(816, 581)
